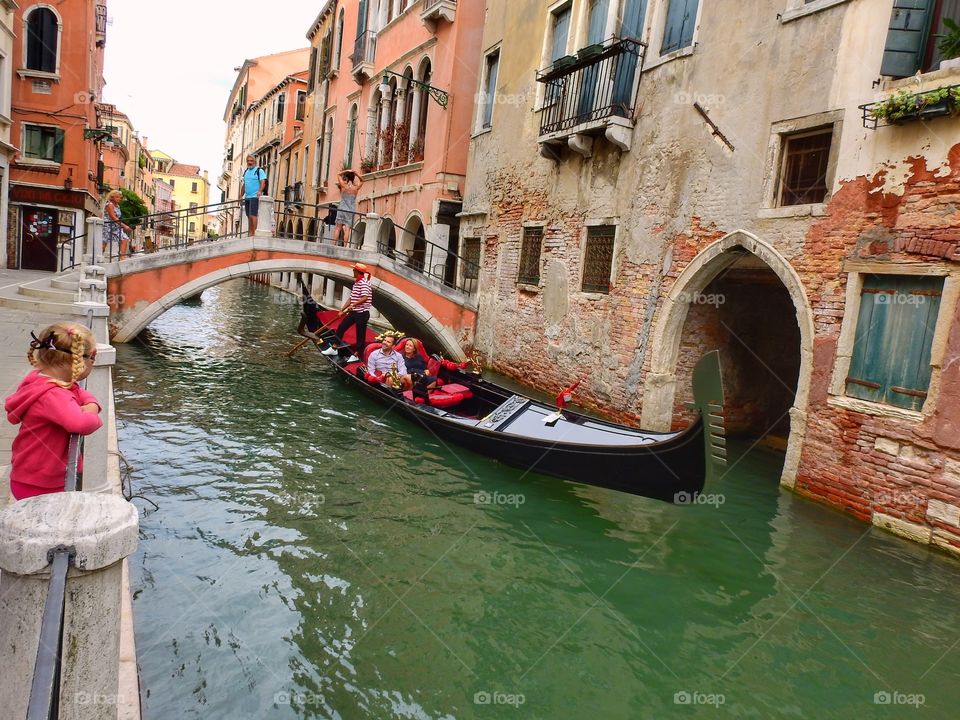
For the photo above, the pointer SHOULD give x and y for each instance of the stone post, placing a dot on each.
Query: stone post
(92, 250)
(371, 233)
(316, 285)
(92, 309)
(328, 292)
(103, 531)
(386, 117)
(265, 218)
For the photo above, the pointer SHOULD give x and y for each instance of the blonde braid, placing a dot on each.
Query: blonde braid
(77, 349)
(31, 359)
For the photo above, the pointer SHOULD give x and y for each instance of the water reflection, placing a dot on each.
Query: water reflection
(316, 556)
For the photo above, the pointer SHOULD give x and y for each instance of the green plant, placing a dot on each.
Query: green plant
(416, 151)
(904, 104)
(368, 164)
(950, 43)
(142, 161)
(132, 208)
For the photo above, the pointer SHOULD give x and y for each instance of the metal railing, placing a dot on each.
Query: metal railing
(600, 82)
(171, 230)
(293, 194)
(428, 5)
(364, 49)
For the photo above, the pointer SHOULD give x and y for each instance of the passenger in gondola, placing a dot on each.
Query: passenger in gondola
(309, 322)
(385, 361)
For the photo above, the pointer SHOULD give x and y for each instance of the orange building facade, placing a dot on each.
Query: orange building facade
(57, 82)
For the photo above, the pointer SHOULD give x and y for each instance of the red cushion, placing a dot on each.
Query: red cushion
(369, 349)
(455, 388)
(442, 398)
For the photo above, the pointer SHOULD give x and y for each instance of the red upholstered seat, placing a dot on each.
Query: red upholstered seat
(369, 349)
(446, 396)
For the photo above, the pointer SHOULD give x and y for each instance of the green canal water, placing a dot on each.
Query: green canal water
(316, 556)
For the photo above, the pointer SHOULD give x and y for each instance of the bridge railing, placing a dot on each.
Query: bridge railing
(315, 223)
(169, 230)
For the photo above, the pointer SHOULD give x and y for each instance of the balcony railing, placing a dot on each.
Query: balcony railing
(293, 194)
(364, 49)
(598, 83)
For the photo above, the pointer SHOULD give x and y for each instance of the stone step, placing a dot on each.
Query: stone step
(48, 293)
(69, 281)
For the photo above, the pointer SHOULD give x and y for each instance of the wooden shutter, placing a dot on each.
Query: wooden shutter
(907, 37)
(891, 354)
(58, 136)
(311, 81)
(631, 24)
(681, 20)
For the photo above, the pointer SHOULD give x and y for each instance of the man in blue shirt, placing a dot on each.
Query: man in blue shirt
(254, 184)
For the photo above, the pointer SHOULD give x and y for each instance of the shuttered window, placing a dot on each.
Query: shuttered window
(598, 259)
(530, 247)
(890, 363)
(907, 37)
(42, 33)
(681, 20)
(43, 143)
(311, 78)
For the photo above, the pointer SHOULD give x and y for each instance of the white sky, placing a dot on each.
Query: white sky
(169, 65)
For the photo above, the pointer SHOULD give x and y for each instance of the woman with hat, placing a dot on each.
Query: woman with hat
(357, 309)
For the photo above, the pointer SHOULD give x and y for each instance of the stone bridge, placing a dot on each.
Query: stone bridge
(142, 287)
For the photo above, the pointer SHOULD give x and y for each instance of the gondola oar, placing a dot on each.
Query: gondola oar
(325, 326)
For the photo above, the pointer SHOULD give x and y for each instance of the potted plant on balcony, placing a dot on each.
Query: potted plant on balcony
(386, 142)
(564, 62)
(905, 105)
(368, 164)
(416, 150)
(590, 51)
(401, 141)
(950, 45)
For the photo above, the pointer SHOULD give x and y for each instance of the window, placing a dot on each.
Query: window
(915, 30)
(490, 87)
(43, 38)
(173, 183)
(890, 362)
(301, 104)
(281, 104)
(339, 50)
(318, 161)
(352, 136)
(192, 226)
(471, 263)
(43, 143)
(598, 258)
(529, 271)
(803, 167)
(193, 187)
(311, 82)
(681, 20)
(560, 31)
(326, 170)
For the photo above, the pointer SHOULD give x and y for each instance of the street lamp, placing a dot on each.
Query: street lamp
(441, 96)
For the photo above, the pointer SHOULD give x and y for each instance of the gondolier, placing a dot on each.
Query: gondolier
(357, 310)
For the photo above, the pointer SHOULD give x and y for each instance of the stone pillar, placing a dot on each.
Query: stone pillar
(385, 119)
(316, 286)
(103, 531)
(370, 151)
(92, 310)
(265, 218)
(371, 232)
(92, 250)
(415, 117)
(328, 292)
(344, 296)
(399, 153)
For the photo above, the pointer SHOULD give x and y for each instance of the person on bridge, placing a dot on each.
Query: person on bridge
(49, 406)
(349, 184)
(357, 309)
(116, 239)
(254, 185)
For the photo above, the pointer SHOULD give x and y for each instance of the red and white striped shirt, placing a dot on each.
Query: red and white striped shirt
(361, 296)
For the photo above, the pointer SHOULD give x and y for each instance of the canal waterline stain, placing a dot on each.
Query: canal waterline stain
(315, 555)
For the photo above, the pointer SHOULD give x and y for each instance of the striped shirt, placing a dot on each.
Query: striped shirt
(361, 297)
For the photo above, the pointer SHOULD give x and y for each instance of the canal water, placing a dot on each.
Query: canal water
(316, 556)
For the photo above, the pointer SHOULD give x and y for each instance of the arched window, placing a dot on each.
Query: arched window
(43, 31)
(336, 59)
(424, 108)
(326, 171)
(351, 135)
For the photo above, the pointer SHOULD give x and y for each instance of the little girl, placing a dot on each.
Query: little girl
(50, 406)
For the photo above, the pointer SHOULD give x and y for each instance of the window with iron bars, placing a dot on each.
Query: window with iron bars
(598, 259)
(529, 271)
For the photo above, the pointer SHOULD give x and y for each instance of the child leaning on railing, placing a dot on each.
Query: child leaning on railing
(50, 406)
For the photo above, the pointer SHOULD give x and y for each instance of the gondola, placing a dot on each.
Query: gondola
(533, 435)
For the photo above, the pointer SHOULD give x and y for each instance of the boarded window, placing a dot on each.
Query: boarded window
(598, 259)
(890, 363)
(529, 272)
(803, 168)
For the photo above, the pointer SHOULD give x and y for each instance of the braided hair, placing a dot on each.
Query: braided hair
(60, 345)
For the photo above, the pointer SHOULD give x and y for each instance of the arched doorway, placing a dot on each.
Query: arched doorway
(299, 231)
(414, 244)
(741, 296)
(387, 241)
(311, 231)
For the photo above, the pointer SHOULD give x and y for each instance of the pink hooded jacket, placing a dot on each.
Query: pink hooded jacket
(48, 414)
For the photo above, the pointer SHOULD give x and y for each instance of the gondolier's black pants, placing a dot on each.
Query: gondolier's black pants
(358, 320)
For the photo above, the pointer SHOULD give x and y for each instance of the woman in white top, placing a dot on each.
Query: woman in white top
(116, 240)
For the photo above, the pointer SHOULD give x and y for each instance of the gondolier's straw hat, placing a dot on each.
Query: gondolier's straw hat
(361, 268)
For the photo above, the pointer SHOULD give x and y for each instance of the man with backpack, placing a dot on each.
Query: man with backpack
(254, 185)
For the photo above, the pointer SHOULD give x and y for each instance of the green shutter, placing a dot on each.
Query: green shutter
(58, 136)
(907, 37)
(891, 354)
(681, 20)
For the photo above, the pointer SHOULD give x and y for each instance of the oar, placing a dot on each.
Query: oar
(325, 326)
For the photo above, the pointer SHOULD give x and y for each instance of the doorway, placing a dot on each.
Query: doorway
(38, 239)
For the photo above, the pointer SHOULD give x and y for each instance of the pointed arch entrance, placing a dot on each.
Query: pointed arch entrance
(741, 295)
